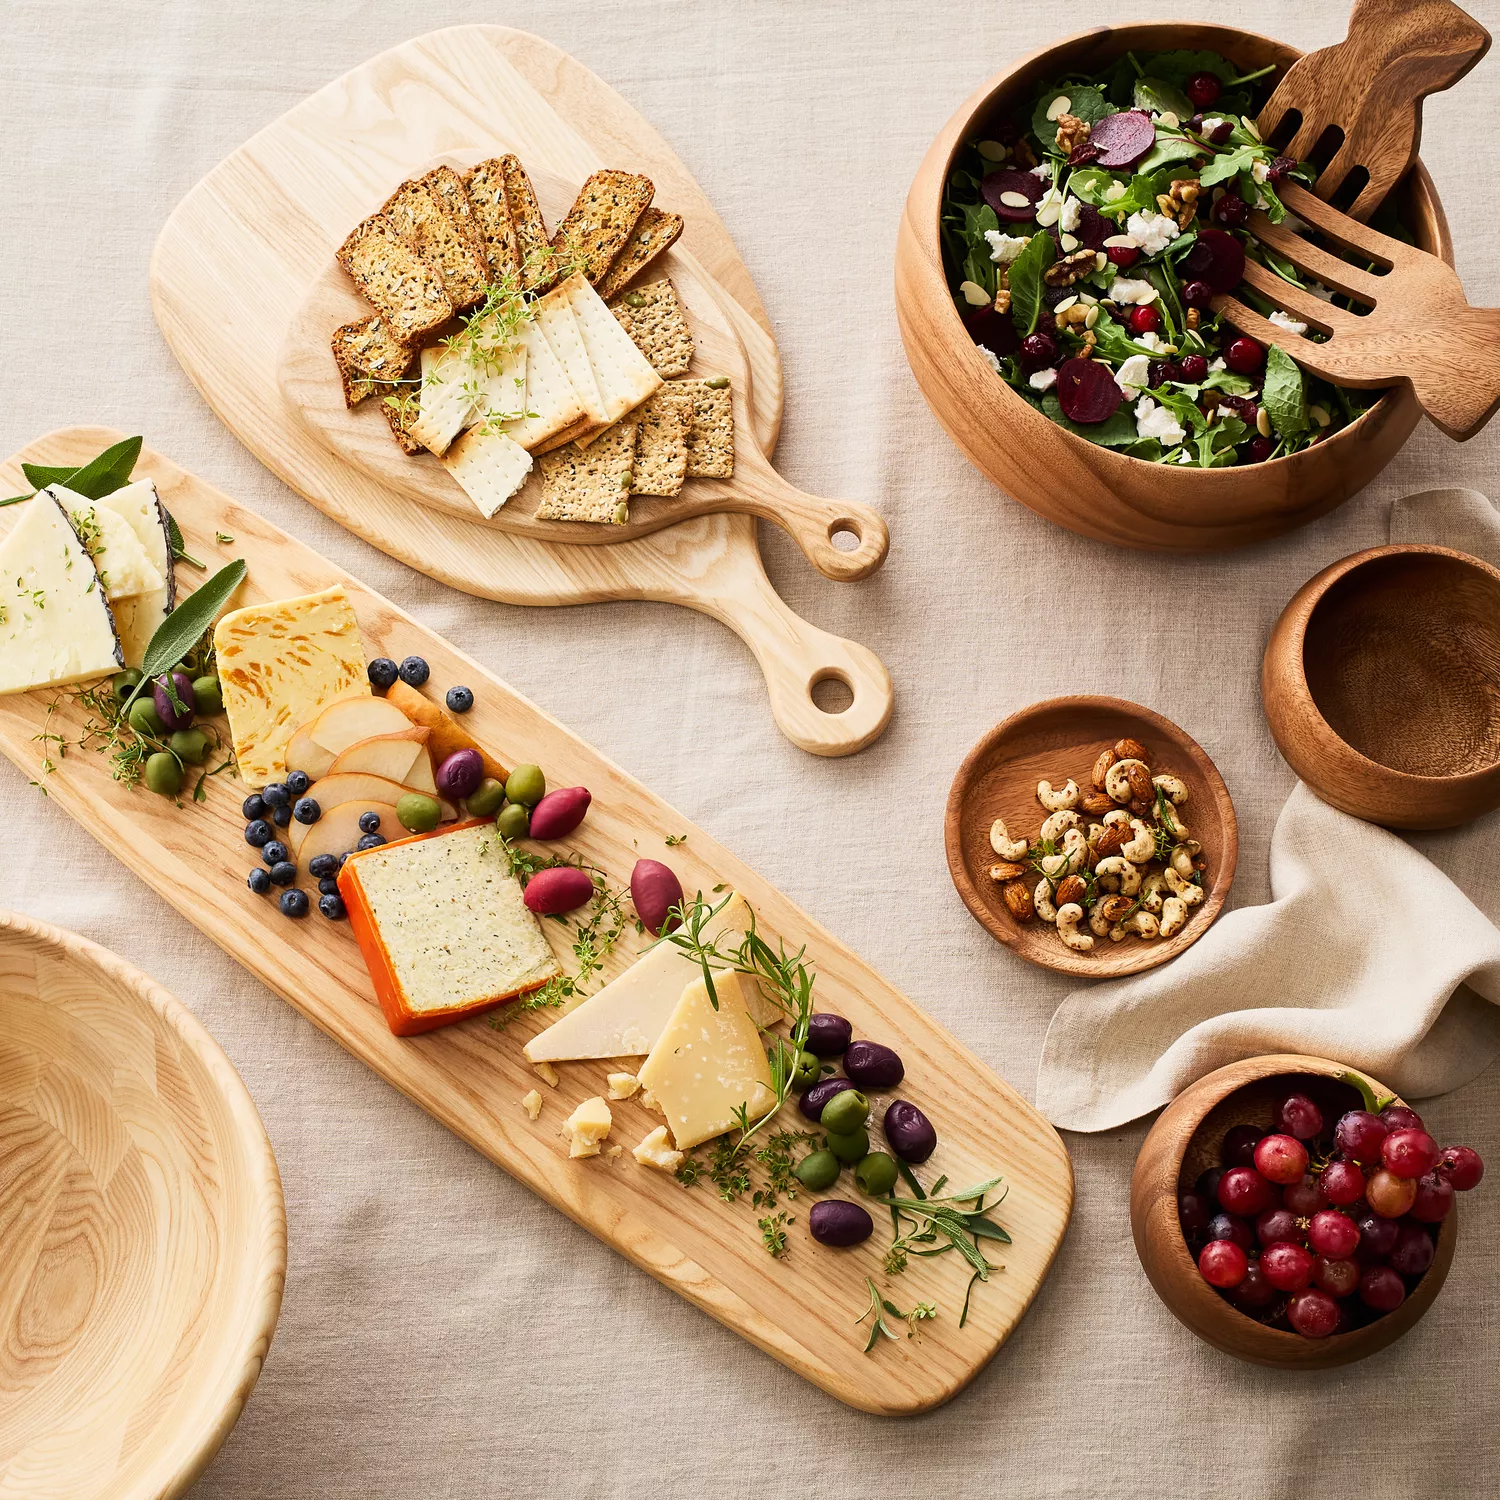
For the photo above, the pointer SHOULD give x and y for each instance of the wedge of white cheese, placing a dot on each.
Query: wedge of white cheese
(124, 568)
(137, 618)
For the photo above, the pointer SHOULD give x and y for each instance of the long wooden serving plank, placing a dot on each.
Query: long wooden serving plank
(471, 1077)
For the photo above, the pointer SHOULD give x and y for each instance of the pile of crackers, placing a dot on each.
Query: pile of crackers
(493, 341)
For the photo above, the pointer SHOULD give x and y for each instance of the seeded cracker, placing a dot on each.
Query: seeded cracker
(653, 318)
(592, 485)
(400, 406)
(661, 451)
(486, 187)
(419, 217)
(395, 279)
(655, 231)
(538, 263)
(368, 356)
(711, 442)
(601, 219)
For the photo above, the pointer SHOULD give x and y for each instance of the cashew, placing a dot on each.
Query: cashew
(1095, 833)
(1120, 874)
(1074, 853)
(1068, 918)
(1173, 914)
(1190, 893)
(1117, 779)
(1171, 820)
(1041, 898)
(1066, 796)
(1098, 922)
(1182, 858)
(1141, 845)
(1116, 817)
(1057, 825)
(1003, 844)
(1142, 923)
(1151, 898)
(1174, 787)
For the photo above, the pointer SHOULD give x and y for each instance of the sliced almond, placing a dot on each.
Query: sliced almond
(1069, 242)
(1060, 106)
(1065, 304)
(1015, 200)
(1121, 242)
(992, 150)
(974, 294)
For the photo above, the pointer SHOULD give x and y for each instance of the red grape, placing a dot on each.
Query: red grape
(1338, 1278)
(1307, 1197)
(1194, 1211)
(1343, 1183)
(1231, 1228)
(1399, 1117)
(1223, 1264)
(1410, 1153)
(1414, 1249)
(1381, 1288)
(1359, 1135)
(1462, 1167)
(1287, 1267)
(1333, 1235)
(1377, 1235)
(1281, 1159)
(1254, 1293)
(1390, 1195)
(1313, 1314)
(1434, 1198)
(1278, 1224)
(1208, 1183)
(1298, 1116)
(1242, 1190)
(1238, 1149)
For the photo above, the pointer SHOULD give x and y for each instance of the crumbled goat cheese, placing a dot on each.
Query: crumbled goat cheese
(1125, 290)
(1184, 457)
(1152, 232)
(1287, 321)
(1259, 171)
(1321, 292)
(1072, 210)
(1153, 421)
(1004, 248)
(1132, 377)
(1211, 124)
(989, 358)
(1044, 171)
(1153, 341)
(1043, 380)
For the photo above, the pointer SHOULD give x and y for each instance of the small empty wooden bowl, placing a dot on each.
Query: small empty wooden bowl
(1381, 683)
(142, 1230)
(1052, 741)
(1185, 1142)
(1067, 479)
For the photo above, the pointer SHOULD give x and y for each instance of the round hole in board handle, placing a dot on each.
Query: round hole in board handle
(845, 535)
(831, 692)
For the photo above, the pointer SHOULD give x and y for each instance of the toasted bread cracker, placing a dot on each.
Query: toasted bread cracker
(592, 485)
(554, 315)
(399, 406)
(368, 355)
(623, 373)
(661, 451)
(489, 466)
(486, 188)
(552, 404)
(538, 263)
(601, 220)
(395, 279)
(420, 217)
(655, 231)
(711, 442)
(654, 319)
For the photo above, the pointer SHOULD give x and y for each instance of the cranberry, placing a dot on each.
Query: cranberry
(1122, 255)
(1313, 1314)
(1238, 1146)
(1280, 167)
(1381, 1288)
(1046, 323)
(1287, 1267)
(1244, 356)
(1203, 89)
(1082, 155)
(1038, 351)
(1221, 132)
(1343, 1183)
(1462, 1166)
(1197, 294)
(1158, 372)
(1223, 1264)
(1281, 1159)
(1410, 1153)
(1258, 450)
(1413, 1252)
(1434, 1199)
(1242, 1190)
(1143, 319)
(1193, 368)
(1231, 211)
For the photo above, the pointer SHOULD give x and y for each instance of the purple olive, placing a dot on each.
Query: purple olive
(654, 890)
(873, 1067)
(909, 1132)
(460, 774)
(558, 888)
(171, 716)
(559, 812)
(812, 1102)
(836, 1222)
(828, 1035)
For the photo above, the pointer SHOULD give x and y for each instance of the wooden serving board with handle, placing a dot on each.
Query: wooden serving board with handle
(470, 1076)
(238, 256)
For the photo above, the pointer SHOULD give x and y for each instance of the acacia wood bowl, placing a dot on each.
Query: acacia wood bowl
(1184, 1142)
(1064, 478)
(142, 1228)
(1381, 682)
(1054, 740)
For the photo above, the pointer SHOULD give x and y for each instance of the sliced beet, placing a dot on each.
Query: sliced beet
(1008, 180)
(1124, 138)
(1083, 155)
(1087, 392)
(993, 332)
(1093, 228)
(1218, 258)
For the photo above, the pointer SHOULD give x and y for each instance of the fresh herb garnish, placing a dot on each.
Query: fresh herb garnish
(879, 1306)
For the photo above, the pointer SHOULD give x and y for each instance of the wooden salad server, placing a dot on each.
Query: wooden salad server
(1371, 86)
(1419, 327)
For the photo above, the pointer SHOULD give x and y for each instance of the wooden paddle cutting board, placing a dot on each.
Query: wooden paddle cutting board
(238, 256)
(800, 1309)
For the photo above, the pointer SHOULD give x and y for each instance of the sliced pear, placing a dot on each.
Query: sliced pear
(350, 720)
(338, 830)
(390, 755)
(338, 790)
(304, 753)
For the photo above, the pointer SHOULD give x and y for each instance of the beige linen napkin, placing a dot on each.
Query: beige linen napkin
(1384, 971)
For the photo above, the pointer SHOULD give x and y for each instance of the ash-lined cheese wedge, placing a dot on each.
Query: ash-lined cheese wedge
(552, 405)
(334, 791)
(709, 1063)
(55, 627)
(400, 757)
(334, 728)
(124, 568)
(447, 398)
(137, 619)
(624, 375)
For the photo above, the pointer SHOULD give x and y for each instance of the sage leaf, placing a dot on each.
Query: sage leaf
(184, 627)
(103, 475)
(1026, 273)
(1284, 394)
(179, 547)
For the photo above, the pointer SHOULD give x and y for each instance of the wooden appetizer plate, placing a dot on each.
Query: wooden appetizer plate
(237, 259)
(1054, 740)
(1066, 479)
(472, 1077)
(142, 1229)
(1381, 683)
(1183, 1143)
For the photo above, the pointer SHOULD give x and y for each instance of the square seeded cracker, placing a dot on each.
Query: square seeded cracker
(420, 217)
(653, 318)
(395, 279)
(661, 449)
(655, 231)
(601, 220)
(368, 356)
(486, 188)
(711, 442)
(538, 263)
(591, 485)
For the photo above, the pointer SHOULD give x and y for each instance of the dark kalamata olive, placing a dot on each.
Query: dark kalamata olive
(828, 1035)
(872, 1066)
(654, 889)
(909, 1132)
(812, 1102)
(558, 888)
(835, 1222)
(170, 715)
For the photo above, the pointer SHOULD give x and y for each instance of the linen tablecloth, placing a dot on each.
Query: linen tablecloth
(445, 1333)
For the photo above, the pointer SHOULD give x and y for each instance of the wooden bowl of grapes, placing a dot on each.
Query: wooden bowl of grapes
(1062, 476)
(1267, 1217)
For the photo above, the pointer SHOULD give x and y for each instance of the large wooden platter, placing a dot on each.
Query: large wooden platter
(236, 259)
(472, 1077)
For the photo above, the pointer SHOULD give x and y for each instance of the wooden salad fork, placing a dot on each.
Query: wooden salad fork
(1419, 326)
(1371, 86)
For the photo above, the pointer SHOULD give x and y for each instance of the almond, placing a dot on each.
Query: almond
(1139, 808)
(1107, 758)
(1111, 839)
(1018, 901)
(1130, 750)
(1113, 908)
(1071, 888)
(1097, 802)
(1139, 779)
(1006, 870)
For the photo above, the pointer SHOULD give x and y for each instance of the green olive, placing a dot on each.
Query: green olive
(875, 1176)
(484, 801)
(845, 1112)
(806, 1072)
(144, 718)
(190, 745)
(850, 1148)
(818, 1171)
(208, 696)
(122, 684)
(418, 813)
(512, 821)
(163, 774)
(527, 785)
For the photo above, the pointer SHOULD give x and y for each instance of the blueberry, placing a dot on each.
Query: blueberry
(331, 906)
(307, 810)
(460, 700)
(258, 833)
(323, 864)
(254, 806)
(382, 672)
(369, 822)
(328, 886)
(414, 671)
(297, 782)
(343, 859)
(284, 873)
(259, 881)
(276, 795)
(274, 852)
(294, 903)
(369, 841)
(281, 816)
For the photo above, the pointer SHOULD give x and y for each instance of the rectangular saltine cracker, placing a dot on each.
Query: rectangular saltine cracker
(654, 232)
(489, 466)
(599, 224)
(486, 188)
(554, 315)
(624, 374)
(368, 355)
(394, 279)
(538, 263)
(551, 402)
(592, 485)
(661, 450)
(447, 398)
(654, 319)
(711, 442)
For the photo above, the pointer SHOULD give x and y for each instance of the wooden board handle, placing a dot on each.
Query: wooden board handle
(812, 522)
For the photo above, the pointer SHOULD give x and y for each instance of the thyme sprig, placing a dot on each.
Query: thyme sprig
(880, 1306)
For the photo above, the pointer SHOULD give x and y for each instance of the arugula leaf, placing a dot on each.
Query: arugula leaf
(1169, 148)
(102, 475)
(1177, 67)
(1283, 394)
(1117, 431)
(1158, 97)
(1216, 444)
(1230, 164)
(1026, 273)
(1115, 344)
(1085, 102)
(1181, 405)
(184, 627)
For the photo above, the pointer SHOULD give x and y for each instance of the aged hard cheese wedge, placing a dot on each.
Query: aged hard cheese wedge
(55, 627)
(136, 619)
(124, 568)
(708, 1063)
(280, 665)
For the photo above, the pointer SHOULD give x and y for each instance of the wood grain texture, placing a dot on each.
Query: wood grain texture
(1371, 87)
(1066, 479)
(472, 1077)
(311, 387)
(1381, 684)
(1054, 740)
(142, 1229)
(236, 258)
(1184, 1142)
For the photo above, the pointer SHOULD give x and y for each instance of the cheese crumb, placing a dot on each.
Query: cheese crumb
(1133, 375)
(1050, 208)
(1072, 211)
(1043, 380)
(547, 1073)
(1044, 171)
(612, 1153)
(656, 1151)
(1211, 124)
(1004, 248)
(1153, 232)
(1152, 341)
(622, 1085)
(1287, 321)
(1259, 172)
(587, 1126)
(651, 1102)
(532, 1104)
(1124, 289)
(989, 358)
(1153, 421)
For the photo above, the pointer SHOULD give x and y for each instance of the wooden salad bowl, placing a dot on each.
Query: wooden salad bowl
(1184, 1142)
(1064, 478)
(1381, 682)
(1056, 739)
(142, 1229)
